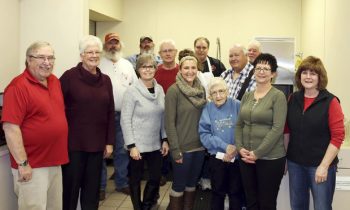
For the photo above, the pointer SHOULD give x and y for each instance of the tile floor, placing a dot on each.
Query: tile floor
(119, 201)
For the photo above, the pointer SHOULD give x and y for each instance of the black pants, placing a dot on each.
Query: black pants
(261, 182)
(82, 173)
(136, 168)
(225, 179)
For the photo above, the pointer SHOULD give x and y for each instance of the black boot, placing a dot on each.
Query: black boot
(150, 195)
(175, 203)
(135, 194)
(189, 197)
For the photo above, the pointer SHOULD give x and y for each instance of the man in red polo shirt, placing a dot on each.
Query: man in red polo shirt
(36, 131)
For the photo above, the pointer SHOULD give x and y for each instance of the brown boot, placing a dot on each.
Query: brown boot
(176, 203)
(189, 197)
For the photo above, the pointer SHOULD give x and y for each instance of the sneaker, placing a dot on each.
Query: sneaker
(163, 181)
(205, 184)
(124, 190)
(102, 195)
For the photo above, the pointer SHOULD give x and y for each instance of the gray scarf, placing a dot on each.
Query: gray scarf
(195, 93)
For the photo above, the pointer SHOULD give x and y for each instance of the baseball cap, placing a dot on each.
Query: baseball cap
(111, 36)
(143, 38)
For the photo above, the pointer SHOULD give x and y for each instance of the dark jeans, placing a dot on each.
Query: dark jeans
(302, 179)
(136, 168)
(261, 182)
(82, 173)
(225, 179)
(186, 174)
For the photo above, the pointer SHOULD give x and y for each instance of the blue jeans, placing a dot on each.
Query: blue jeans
(302, 179)
(120, 160)
(186, 174)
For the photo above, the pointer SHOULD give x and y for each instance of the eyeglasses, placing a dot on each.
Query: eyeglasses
(259, 69)
(218, 92)
(147, 67)
(43, 58)
(92, 53)
(167, 51)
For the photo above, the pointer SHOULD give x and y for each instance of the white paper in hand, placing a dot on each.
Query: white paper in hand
(220, 155)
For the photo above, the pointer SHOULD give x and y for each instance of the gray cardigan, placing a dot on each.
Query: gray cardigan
(142, 117)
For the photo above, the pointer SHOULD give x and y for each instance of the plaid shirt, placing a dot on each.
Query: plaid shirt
(234, 86)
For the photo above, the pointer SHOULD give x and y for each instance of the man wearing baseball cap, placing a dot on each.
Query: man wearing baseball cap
(122, 75)
(146, 46)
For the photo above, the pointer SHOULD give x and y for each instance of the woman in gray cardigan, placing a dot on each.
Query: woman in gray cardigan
(142, 123)
(259, 137)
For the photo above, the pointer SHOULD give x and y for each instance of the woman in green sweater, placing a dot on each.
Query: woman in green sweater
(184, 101)
(259, 137)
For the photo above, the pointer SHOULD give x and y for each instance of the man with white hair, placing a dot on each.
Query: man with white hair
(254, 50)
(146, 46)
(122, 76)
(166, 72)
(36, 131)
(239, 78)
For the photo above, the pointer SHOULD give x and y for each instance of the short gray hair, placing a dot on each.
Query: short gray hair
(170, 41)
(216, 81)
(37, 45)
(144, 58)
(241, 47)
(255, 43)
(88, 41)
(34, 47)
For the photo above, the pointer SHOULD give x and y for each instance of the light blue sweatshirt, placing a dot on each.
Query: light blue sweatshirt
(217, 125)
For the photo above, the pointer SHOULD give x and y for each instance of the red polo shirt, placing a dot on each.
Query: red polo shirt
(39, 111)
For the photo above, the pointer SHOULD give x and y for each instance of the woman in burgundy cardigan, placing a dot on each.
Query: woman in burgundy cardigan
(90, 114)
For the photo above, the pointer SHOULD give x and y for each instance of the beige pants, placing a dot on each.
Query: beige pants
(42, 192)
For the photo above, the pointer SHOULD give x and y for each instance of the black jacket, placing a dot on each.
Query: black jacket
(309, 130)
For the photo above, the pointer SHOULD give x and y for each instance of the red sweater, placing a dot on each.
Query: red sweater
(166, 77)
(335, 121)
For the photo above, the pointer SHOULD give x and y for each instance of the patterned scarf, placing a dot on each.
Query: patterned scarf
(195, 93)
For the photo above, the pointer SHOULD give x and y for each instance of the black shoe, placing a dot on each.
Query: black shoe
(102, 195)
(124, 190)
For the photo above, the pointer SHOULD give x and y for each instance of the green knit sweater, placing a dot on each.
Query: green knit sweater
(260, 124)
(181, 123)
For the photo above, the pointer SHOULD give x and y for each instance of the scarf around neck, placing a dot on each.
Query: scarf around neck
(195, 93)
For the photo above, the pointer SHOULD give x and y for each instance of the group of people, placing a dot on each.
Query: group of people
(145, 108)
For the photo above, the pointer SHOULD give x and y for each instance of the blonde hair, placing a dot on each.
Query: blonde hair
(189, 58)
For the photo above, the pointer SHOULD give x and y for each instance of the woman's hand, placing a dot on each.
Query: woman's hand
(165, 148)
(246, 156)
(231, 150)
(179, 161)
(135, 154)
(108, 151)
(227, 158)
(321, 174)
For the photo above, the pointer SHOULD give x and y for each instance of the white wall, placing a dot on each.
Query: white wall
(9, 41)
(183, 20)
(110, 8)
(62, 23)
(325, 33)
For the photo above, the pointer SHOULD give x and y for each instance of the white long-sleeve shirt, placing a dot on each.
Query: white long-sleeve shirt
(122, 75)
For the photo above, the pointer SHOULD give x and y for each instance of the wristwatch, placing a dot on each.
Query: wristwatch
(24, 163)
